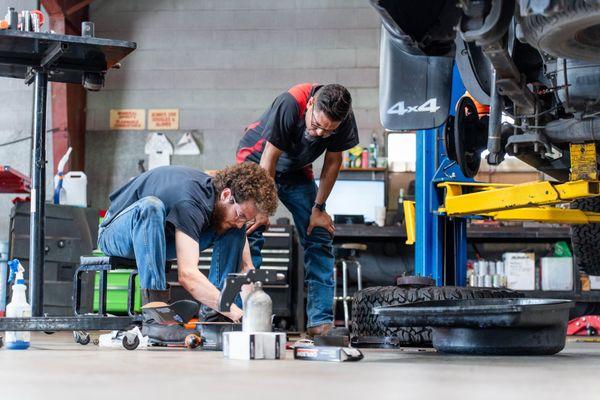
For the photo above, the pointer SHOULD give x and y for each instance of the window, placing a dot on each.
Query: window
(402, 151)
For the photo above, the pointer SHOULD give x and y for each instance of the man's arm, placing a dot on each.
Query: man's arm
(268, 161)
(192, 280)
(247, 264)
(269, 158)
(329, 174)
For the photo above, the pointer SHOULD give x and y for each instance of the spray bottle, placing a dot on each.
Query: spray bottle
(18, 307)
(59, 192)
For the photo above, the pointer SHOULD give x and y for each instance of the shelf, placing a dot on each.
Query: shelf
(474, 233)
(482, 233)
(374, 169)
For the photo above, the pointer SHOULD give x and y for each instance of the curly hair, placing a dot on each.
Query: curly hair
(248, 181)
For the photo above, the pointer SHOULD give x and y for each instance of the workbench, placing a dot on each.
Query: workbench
(477, 233)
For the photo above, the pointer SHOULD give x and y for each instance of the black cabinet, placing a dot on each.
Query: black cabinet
(70, 233)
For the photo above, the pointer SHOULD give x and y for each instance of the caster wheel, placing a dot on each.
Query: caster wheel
(83, 338)
(192, 341)
(95, 342)
(131, 342)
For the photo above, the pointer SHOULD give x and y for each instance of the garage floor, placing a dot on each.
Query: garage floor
(57, 368)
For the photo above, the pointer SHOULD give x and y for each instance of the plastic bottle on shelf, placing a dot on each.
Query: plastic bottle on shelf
(373, 152)
(346, 159)
(18, 307)
(365, 159)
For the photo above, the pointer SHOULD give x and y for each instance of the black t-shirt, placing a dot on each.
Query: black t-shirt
(188, 196)
(283, 125)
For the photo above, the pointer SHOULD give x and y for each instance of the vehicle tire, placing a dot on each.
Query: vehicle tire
(366, 325)
(586, 238)
(570, 30)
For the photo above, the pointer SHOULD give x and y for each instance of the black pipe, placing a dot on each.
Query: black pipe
(494, 143)
(38, 196)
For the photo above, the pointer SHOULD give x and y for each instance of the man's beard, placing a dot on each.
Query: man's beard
(217, 218)
(310, 138)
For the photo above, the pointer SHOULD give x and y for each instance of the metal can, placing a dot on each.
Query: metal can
(497, 281)
(473, 280)
(492, 268)
(480, 281)
(500, 267)
(483, 267)
(487, 281)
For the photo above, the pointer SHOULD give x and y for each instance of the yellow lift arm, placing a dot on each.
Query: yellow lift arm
(466, 198)
(523, 202)
(505, 202)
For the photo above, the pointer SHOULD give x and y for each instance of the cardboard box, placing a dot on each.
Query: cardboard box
(254, 346)
(594, 282)
(520, 270)
(557, 273)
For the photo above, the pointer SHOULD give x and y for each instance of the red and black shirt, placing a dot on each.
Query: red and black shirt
(284, 126)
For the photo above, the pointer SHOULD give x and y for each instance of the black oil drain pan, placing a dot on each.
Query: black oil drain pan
(487, 326)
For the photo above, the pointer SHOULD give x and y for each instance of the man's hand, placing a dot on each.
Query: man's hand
(321, 219)
(260, 220)
(235, 314)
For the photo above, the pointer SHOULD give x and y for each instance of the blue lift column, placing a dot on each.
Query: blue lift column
(441, 244)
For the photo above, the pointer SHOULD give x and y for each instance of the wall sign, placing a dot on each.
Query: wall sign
(163, 119)
(128, 119)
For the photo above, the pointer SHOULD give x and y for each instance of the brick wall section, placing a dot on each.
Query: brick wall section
(222, 62)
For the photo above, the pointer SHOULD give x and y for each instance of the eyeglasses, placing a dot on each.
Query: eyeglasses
(315, 125)
(239, 215)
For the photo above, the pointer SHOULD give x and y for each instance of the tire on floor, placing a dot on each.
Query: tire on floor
(366, 325)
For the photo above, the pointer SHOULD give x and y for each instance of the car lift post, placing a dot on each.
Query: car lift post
(441, 242)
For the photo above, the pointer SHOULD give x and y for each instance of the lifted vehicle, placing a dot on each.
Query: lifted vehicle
(535, 61)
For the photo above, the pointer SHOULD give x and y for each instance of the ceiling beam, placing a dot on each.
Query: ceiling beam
(76, 7)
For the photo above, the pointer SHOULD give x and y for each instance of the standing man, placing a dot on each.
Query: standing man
(175, 212)
(302, 124)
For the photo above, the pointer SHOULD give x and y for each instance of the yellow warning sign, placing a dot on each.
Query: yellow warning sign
(583, 161)
(163, 119)
(128, 119)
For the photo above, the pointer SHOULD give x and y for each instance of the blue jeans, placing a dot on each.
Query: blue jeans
(299, 197)
(139, 232)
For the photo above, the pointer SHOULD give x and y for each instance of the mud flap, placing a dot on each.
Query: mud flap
(414, 90)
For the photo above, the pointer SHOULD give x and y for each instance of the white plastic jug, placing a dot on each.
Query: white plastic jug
(74, 189)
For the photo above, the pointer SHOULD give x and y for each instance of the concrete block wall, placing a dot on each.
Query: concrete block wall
(222, 62)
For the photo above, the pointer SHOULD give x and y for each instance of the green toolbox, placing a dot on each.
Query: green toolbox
(116, 297)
